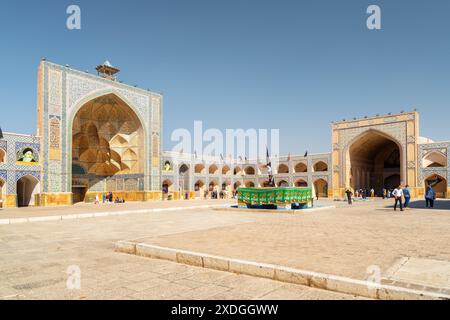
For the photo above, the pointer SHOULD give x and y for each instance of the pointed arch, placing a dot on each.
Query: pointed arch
(108, 138)
(249, 184)
(434, 159)
(27, 188)
(167, 186)
(301, 168)
(226, 170)
(283, 168)
(200, 168)
(321, 188)
(320, 166)
(282, 184)
(183, 168)
(439, 185)
(74, 123)
(249, 170)
(213, 169)
(370, 157)
(301, 183)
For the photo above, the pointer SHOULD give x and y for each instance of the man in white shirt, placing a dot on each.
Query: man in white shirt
(398, 193)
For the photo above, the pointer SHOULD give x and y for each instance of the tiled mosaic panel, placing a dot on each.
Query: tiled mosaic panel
(111, 185)
(12, 171)
(55, 90)
(21, 174)
(4, 175)
(4, 145)
(55, 133)
(67, 88)
(156, 123)
(131, 184)
(120, 185)
(54, 176)
(426, 172)
(79, 87)
(97, 185)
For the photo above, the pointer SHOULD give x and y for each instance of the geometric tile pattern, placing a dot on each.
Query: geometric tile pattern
(424, 149)
(10, 170)
(64, 91)
(54, 183)
(21, 174)
(4, 175)
(4, 145)
(21, 145)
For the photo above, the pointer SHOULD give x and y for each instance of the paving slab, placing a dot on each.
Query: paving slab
(34, 258)
(370, 289)
(87, 209)
(422, 272)
(357, 242)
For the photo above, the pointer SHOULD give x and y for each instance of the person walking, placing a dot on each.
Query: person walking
(407, 196)
(383, 193)
(349, 196)
(398, 193)
(430, 196)
(372, 193)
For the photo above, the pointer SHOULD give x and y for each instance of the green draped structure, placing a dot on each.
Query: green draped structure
(281, 197)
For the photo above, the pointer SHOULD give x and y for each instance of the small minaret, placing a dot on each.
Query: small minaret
(107, 71)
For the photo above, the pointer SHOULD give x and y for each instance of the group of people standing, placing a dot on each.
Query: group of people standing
(359, 193)
(401, 195)
(364, 193)
(108, 198)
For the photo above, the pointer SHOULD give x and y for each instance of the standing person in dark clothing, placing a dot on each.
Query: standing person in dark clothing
(349, 194)
(407, 195)
(430, 196)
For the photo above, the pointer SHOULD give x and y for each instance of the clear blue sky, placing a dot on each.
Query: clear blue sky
(294, 65)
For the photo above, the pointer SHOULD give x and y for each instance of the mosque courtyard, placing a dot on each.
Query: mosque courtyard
(410, 249)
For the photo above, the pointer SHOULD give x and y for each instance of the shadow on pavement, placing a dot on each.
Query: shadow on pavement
(440, 204)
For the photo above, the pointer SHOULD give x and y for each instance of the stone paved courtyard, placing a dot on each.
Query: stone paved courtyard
(345, 241)
(34, 257)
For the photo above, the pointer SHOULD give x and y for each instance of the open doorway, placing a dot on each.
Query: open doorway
(27, 187)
